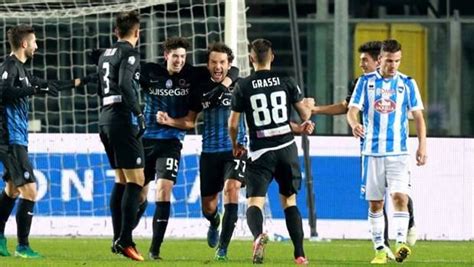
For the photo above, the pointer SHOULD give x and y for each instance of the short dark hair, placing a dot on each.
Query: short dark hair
(220, 48)
(17, 34)
(125, 23)
(262, 48)
(391, 46)
(372, 48)
(175, 43)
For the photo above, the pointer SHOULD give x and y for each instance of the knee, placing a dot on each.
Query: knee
(400, 200)
(231, 192)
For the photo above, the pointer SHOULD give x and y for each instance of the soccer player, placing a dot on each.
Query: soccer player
(266, 99)
(219, 169)
(167, 88)
(119, 118)
(16, 85)
(385, 97)
(369, 53)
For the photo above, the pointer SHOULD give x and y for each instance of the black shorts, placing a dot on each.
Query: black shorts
(283, 164)
(217, 167)
(18, 168)
(123, 148)
(162, 158)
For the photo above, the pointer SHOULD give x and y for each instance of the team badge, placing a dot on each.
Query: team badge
(131, 60)
(169, 83)
(400, 89)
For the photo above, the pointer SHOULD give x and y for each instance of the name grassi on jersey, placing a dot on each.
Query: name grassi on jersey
(169, 92)
(272, 81)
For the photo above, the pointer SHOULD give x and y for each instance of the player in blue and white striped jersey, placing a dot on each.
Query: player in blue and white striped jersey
(219, 169)
(385, 98)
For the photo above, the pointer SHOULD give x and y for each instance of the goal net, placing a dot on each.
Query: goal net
(74, 177)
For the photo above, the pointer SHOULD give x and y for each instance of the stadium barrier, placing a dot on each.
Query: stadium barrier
(74, 183)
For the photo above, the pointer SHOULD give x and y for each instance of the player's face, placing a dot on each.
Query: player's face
(175, 59)
(31, 45)
(218, 66)
(389, 63)
(367, 63)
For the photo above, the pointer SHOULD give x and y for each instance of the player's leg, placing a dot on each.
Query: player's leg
(167, 154)
(398, 185)
(288, 177)
(412, 234)
(233, 182)
(116, 206)
(373, 173)
(143, 203)
(389, 252)
(7, 202)
(258, 176)
(211, 166)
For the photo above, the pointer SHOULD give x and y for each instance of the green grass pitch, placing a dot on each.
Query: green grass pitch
(96, 252)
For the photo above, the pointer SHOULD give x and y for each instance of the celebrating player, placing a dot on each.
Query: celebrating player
(219, 169)
(385, 97)
(267, 98)
(16, 85)
(167, 89)
(119, 133)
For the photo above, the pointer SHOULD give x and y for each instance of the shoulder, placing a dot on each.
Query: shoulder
(406, 78)
(9, 66)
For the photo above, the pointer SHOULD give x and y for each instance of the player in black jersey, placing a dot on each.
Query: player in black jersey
(218, 168)
(266, 98)
(16, 85)
(167, 90)
(369, 53)
(121, 125)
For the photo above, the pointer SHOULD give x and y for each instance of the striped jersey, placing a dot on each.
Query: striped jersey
(215, 136)
(385, 104)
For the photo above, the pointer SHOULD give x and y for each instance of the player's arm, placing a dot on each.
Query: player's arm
(353, 121)
(232, 76)
(307, 127)
(185, 123)
(233, 123)
(10, 91)
(421, 133)
(333, 109)
(127, 69)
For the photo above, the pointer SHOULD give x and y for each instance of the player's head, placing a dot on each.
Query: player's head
(127, 26)
(369, 56)
(390, 57)
(219, 59)
(22, 38)
(261, 52)
(175, 53)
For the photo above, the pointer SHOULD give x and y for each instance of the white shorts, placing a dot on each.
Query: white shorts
(379, 173)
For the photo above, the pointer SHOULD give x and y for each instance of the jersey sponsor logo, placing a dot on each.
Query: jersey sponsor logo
(169, 83)
(4, 75)
(385, 106)
(169, 92)
(385, 93)
(260, 83)
(131, 60)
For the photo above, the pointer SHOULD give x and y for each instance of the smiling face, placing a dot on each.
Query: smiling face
(389, 63)
(175, 59)
(218, 65)
(30, 46)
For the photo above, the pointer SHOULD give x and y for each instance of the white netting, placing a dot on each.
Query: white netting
(73, 173)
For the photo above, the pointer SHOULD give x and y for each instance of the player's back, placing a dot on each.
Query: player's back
(266, 98)
(114, 111)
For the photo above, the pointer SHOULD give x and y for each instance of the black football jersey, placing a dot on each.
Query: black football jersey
(266, 99)
(119, 68)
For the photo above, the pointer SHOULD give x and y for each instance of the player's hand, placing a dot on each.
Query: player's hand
(141, 125)
(309, 102)
(358, 130)
(307, 127)
(44, 88)
(239, 150)
(421, 156)
(162, 117)
(91, 78)
(94, 55)
(213, 97)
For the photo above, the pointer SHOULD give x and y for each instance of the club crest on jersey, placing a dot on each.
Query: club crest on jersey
(169, 83)
(131, 60)
(400, 89)
(385, 106)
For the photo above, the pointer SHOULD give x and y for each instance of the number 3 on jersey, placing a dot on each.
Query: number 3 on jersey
(262, 115)
(106, 67)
